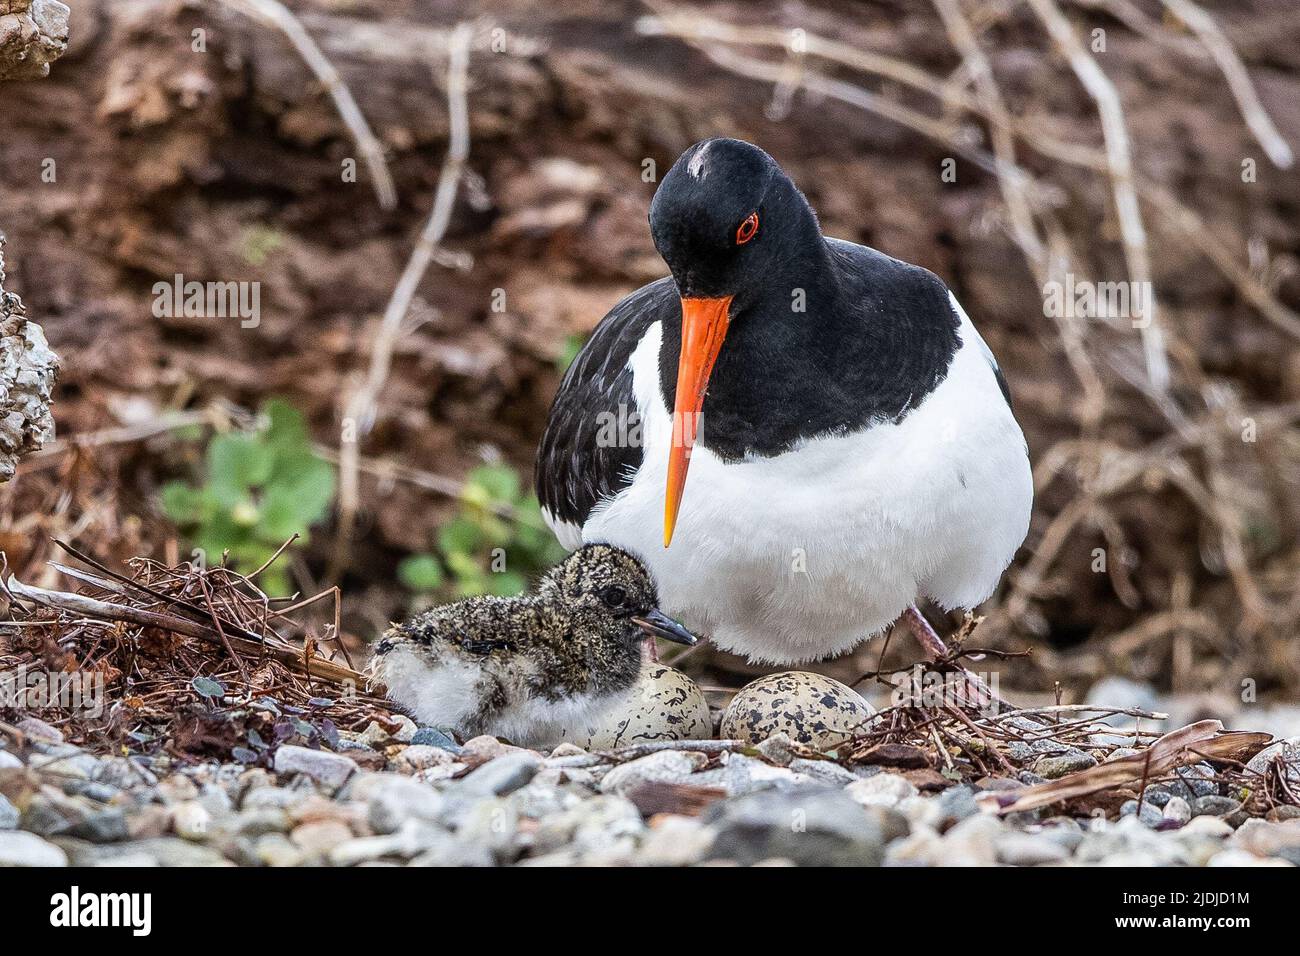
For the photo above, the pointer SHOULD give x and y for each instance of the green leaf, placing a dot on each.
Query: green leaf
(569, 350)
(420, 572)
(285, 425)
(237, 463)
(459, 536)
(183, 503)
(501, 482)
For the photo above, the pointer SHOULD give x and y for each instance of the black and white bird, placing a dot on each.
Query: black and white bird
(849, 436)
(526, 668)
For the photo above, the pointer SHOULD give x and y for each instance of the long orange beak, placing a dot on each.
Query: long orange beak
(704, 326)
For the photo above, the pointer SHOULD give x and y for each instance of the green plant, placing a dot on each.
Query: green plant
(261, 487)
(496, 540)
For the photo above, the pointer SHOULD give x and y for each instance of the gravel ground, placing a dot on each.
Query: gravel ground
(417, 798)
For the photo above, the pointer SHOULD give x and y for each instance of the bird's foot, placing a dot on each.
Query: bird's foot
(938, 651)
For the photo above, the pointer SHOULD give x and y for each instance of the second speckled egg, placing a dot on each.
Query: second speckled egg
(810, 709)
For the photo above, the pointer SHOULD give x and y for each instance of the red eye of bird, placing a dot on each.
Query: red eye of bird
(747, 229)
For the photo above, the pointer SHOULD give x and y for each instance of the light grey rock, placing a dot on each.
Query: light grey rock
(1129, 842)
(810, 827)
(676, 841)
(277, 850)
(1214, 805)
(739, 774)
(1194, 781)
(328, 769)
(1266, 838)
(279, 798)
(602, 824)
(779, 749)
(19, 848)
(191, 820)
(414, 837)
(1178, 811)
(666, 766)
(881, 790)
(1053, 766)
(9, 814)
(255, 821)
(502, 775)
(1284, 754)
(823, 771)
(1147, 813)
(39, 731)
(1028, 849)
(8, 760)
(398, 799)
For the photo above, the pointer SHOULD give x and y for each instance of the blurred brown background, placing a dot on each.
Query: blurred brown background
(225, 164)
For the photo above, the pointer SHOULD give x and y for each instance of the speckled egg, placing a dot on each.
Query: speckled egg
(665, 704)
(808, 708)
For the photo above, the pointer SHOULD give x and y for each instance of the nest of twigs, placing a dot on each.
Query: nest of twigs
(191, 661)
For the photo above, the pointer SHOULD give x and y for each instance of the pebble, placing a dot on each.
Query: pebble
(675, 840)
(396, 799)
(38, 730)
(432, 737)
(666, 766)
(326, 768)
(8, 760)
(9, 814)
(20, 848)
(823, 771)
(1215, 805)
(421, 757)
(275, 849)
(1149, 813)
(1058, 765)
(191, 820)
(502, 775)
(1236, 858)
(882, 790)
(813, 828)
(1177, 811)
(1285, 752)
(319, 837)
(1264, 838)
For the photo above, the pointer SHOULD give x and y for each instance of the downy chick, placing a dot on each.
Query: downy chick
(525, 667)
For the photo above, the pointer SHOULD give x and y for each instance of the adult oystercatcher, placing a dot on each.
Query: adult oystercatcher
(849, 436)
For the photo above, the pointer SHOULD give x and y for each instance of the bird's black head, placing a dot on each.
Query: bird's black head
(741, 242)
(613, 590)
(727, 221)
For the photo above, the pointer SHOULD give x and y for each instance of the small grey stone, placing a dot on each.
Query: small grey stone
(19, 848)
(1157, 794)
(503, 775)
(1214, 805)
(399, 799)
(1149, 814)
(740, 774)
(1284, 754)
(954, 805)
(9, 814)
(38, 730)
(778, 748)
(666, 766)
(1028, 849)
(1194, 781)
(1177, 810)
(808, 827)
(823, 771)
(329, 769)
(255, 821)
(1058, 765)
(432, 737)
(8, 760)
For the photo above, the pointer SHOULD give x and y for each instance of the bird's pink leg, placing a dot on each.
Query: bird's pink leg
(937, 650)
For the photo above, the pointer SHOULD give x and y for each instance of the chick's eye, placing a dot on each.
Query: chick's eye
(747, 230)
(614, 596)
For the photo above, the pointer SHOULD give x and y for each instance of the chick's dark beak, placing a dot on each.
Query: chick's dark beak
(658, 624)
